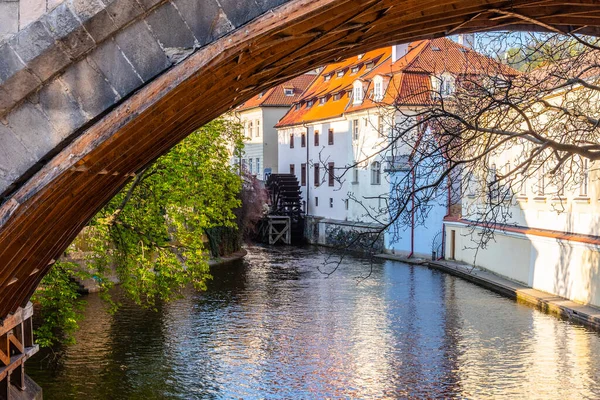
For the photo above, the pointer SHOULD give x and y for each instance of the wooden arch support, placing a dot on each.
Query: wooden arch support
(65, 186)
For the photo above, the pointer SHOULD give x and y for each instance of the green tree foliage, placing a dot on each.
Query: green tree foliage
(60, 307)
(153, 232)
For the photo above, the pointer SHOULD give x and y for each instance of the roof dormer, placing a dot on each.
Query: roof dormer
(443, 85)
(357, 92)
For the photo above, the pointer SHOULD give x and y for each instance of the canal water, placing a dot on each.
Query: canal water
(273, 326)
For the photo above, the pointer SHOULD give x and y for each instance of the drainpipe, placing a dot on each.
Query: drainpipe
(306, 174)
(412, 218)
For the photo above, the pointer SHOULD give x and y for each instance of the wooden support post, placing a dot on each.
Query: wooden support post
(17, 377)
(5, 387)
(28, 333)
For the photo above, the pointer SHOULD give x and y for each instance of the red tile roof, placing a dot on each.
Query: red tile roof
(408, 79)
(276, 97)
(334, 85)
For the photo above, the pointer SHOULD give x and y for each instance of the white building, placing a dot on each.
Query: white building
(336, 138)
(550, 240)
(258, 116)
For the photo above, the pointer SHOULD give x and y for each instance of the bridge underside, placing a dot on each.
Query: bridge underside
(48, 201)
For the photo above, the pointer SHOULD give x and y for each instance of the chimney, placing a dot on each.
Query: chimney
(399, 51)
(467, 40)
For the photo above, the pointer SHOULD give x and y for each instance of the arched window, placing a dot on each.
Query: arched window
(376, 173)
(358, 92)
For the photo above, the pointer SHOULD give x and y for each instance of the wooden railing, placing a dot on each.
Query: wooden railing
(16, 346)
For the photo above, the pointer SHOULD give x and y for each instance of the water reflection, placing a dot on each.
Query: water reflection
(274, 327)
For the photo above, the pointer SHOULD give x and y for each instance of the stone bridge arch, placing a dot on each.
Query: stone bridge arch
(94, 90)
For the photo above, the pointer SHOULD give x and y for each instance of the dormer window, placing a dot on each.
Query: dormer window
(369, 65)
(443, 85)
(357, 92)
(378, 88)
(327, 77)
(322, 100)
(309, 103)
(354, 69)
(297, 106)
(340, 73)
(360, 56)
(435, 48)
(288, 91)
(337, 96)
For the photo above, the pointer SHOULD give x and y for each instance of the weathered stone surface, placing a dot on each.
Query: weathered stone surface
(266, 5)
(64, 27)
(36, 47)
(124, 11)
(110, 60)
(9, 18)
(14, 157)
(142, 50)
(170, 29)
(148, 4)
(100, 26)
(62, 110)
(5, 100)
(15, 79)
(90, 88)
(205, 18)
(85, 9)
(34, 129)
(240, 15)
(30, 11)
(53, 3)
(10, 63)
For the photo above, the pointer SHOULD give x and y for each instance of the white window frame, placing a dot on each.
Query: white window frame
(357, 92)
(377, 88)
(375, 173)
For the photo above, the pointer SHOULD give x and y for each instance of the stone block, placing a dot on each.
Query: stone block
(15, 78)
(124, 11)
(100, 26)
(142, 50)
(266, 5)
(30, 11)
(112, 63)
(39, 50)
(9, 18)
(169, 28)
(206, 19)
(34, 129)
(10, 63)
(240, 13)
(6, 101)
(64, 27)
(62, 110)
(85, 9)
(15, 159)
(53, 3)
(91, 90)
(148, 4)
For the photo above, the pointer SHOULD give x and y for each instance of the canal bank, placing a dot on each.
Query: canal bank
(91, 285)
(546, 302)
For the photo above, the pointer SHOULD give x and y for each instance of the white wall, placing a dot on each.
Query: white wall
(561, 267)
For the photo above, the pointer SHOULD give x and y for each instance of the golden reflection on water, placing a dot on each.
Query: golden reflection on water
(274, 327)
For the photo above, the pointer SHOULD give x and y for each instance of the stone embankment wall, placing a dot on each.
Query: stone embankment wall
(354, 236)
(565, 268)
(17, 14)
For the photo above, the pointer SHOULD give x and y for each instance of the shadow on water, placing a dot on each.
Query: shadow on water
(272, 326)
